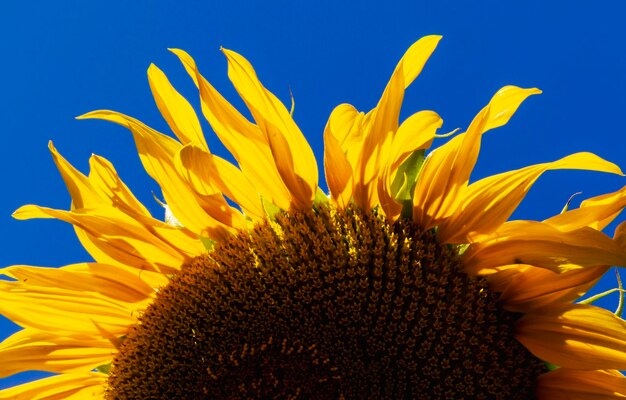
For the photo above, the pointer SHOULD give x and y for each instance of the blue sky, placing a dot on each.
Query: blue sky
(64, 59)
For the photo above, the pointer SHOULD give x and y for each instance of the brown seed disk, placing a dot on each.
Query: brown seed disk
(325, 304)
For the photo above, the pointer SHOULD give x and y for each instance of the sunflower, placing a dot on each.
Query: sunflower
(405, 281)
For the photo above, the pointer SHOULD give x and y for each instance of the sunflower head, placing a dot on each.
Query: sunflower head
(326, 304)
(404, 281)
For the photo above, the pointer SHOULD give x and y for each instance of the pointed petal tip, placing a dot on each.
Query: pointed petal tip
(18, 213)
(84, 116)
(95, 114)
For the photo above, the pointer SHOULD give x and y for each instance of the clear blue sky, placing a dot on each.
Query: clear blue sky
(62, 59)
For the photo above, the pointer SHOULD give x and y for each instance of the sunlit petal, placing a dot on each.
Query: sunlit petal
(572, 384)
(78, 386)
(540, 244)
(575, 336)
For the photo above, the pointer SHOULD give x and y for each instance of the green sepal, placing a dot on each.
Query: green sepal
(619, 289)
(404, 182)
(208, 243)
(104, 368)
(270, 208)
(320, 197)
(598, 296)
(406, 177)
(620, 304)
(566, 207)
(550, 367)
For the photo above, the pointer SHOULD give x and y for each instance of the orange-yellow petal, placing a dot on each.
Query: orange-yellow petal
(206, 172)
(122, 239)
(446, 171)
(176, 110)
(293, 156)
(243, 139)
(64, 311)
(573, 384)
(526, 287)
(104, 179)
(78, 386)
(542, 245)
(385, 116)
(488, 203)
(575, 336)
(30, 349)
(81, 190)
(120, 283)
(415, 133)
(381, 123)
(596, 212)
(205, 217)
(339, 174)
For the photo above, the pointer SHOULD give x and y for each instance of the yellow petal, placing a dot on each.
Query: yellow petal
(446, 171)
(504, 104)
(540, 244)
(380, 125)
(125, 284)
(45, 351)
(104, 179)
(120, 237)
(572, 384)
(79, 386)
(157, 152)
(242, 138)
(385, 118)
(63, 311)
(620, 235)
(81, 190)
(339, 174)
(528, 288)
(415, 133)
(346, 123)
(488, 203)
(202, 169)
(596, 212)
(293, 156)
(176, 110)
(575, 336)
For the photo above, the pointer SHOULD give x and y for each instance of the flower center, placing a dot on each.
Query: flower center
(325, 304)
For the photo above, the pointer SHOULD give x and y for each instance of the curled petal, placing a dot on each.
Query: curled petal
(293, 156)
(64, 311)
(245, 141)
(206, 217)
(120, 283)
(176, 110)
(526, 288)
(339, 174)
(121, 239)
(31, 349)
(77, 386)
(596, 212)
(104, 178)
(573, 384)
(209, 175)
(575, 336)
(446, 171)
(488, 203)
(540, 244)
